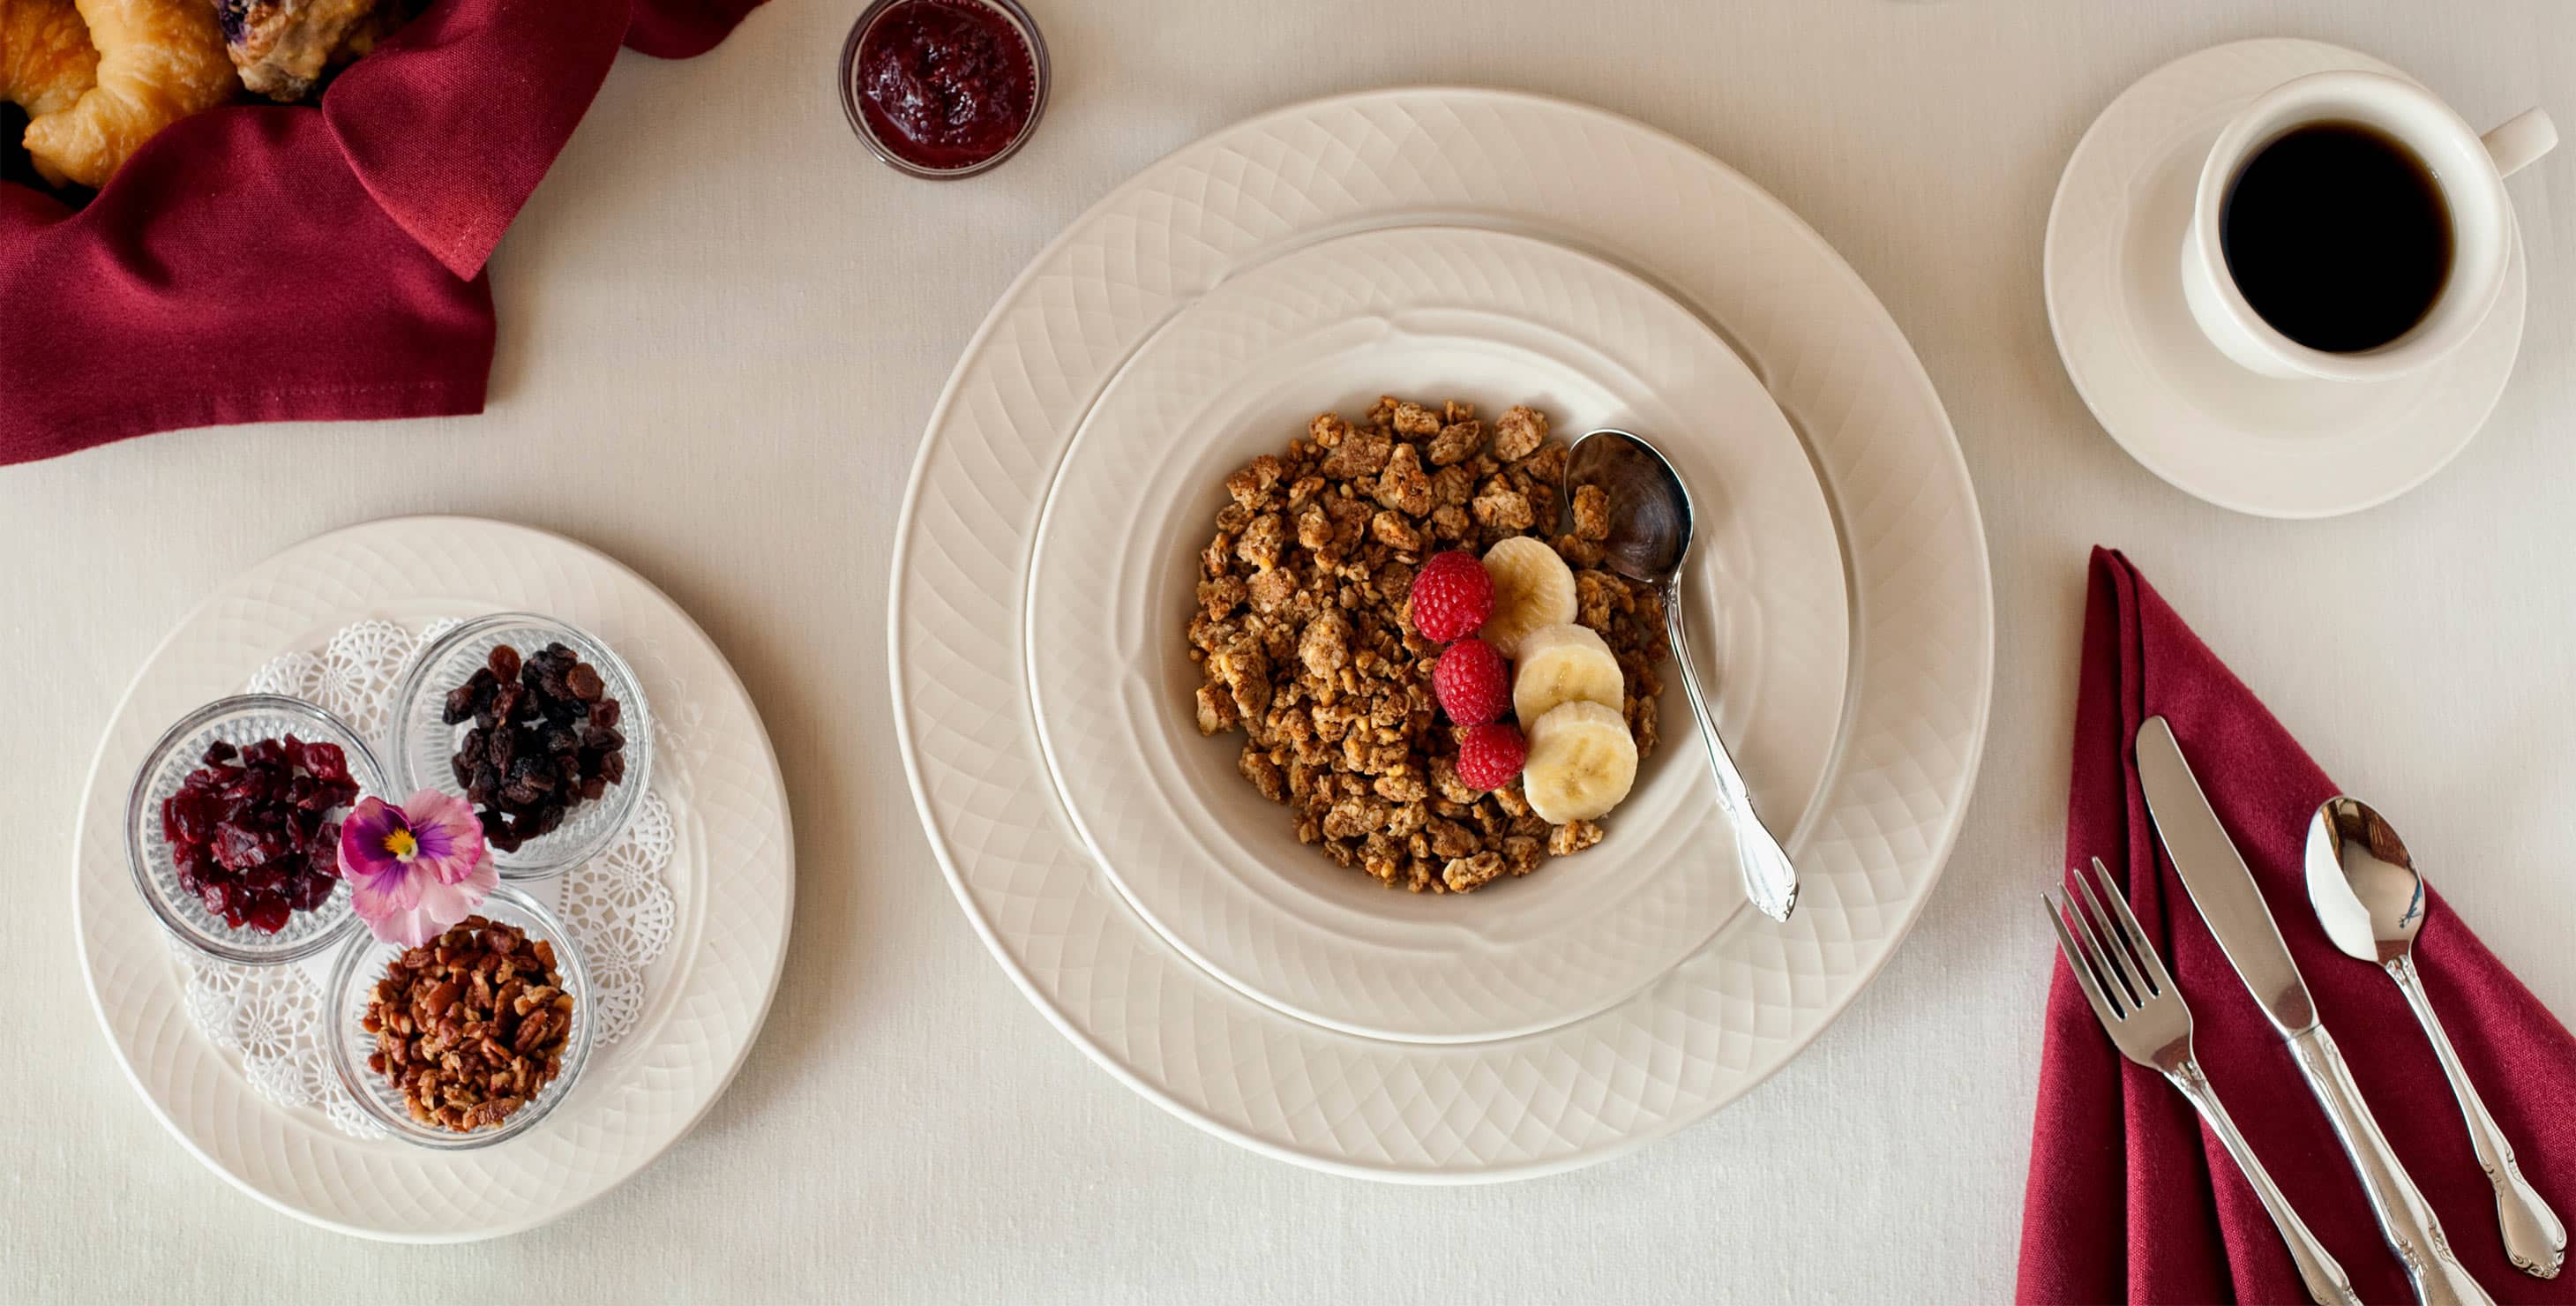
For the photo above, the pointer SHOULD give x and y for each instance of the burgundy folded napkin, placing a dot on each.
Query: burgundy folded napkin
(271, 263)
(2128, 1198)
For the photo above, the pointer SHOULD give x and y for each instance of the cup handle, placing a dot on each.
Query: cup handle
(2520, 141)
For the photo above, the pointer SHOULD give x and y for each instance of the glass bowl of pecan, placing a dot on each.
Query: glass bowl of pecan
(469, 1039)
(232, 827)
(536, 723)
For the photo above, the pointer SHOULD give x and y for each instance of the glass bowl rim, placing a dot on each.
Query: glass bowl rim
(1040, 83)
(635, 721)
(339, 1028)
(363, 767)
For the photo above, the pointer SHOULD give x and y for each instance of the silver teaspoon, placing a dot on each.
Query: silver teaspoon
(2371, 902)
(1650, 539)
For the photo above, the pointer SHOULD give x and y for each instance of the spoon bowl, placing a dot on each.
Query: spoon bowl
(2364, 886)
(1650, 508)
(1649, 542)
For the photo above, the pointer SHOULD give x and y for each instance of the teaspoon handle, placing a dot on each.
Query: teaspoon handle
(2534, 1239)
(1770, 880)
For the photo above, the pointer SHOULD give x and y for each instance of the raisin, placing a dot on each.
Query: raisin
(459, 707)
(545, 739)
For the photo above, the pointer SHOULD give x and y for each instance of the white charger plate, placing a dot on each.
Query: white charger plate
(732, 874)
(1707, 1030)
(2112, 269)
(1498, 319)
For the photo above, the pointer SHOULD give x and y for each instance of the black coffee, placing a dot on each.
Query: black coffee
(2338, 236)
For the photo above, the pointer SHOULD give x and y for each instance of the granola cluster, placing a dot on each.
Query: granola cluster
(1305, 646)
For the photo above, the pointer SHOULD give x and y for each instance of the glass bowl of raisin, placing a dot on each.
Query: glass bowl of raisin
(469, 1039)
(232, 828)
(538, 725)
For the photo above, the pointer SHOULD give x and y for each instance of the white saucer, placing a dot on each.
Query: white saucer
(2274, 448)
(1495, 318)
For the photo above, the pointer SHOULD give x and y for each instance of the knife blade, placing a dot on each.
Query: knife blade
(2220, 884)
(2223, 888)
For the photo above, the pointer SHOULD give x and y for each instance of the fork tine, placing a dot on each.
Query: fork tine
(2096, 926)
(2145, 951)
(2102, 1008)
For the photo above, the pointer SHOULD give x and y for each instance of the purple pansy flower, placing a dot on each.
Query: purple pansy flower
(416, 869)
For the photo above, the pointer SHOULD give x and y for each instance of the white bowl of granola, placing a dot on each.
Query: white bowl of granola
(1232, 862)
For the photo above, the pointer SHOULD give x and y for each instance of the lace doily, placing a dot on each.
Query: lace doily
(617, 905)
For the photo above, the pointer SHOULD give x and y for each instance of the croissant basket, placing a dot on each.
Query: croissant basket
(259, 262)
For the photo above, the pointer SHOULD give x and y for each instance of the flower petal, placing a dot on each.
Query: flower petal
(408, 926)
(446, 828)
(386, 895)
(363, 855)
(427, 905)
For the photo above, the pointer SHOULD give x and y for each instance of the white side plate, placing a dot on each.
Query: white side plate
(732, 874)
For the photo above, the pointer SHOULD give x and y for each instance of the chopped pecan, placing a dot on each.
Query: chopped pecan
(442, 1019)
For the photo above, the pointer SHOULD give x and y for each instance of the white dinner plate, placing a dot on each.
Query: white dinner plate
(1432, 313)
(1706, 1030)
(731, 874)
(2271, 446)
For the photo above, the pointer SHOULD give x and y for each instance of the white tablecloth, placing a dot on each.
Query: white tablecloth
(722, 329)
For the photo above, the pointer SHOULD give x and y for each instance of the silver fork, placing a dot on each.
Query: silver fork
(2145, 1016)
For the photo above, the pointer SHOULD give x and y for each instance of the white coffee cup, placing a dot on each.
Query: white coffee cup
(2468, 169)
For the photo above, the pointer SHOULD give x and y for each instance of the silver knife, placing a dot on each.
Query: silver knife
(2225, 892)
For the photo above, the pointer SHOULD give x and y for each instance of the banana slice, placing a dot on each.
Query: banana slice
(1564, 664)
(1532, 588)
(1582, 761)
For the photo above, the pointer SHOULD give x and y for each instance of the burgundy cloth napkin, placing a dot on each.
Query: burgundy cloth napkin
(2129, 1199)
(271, 263)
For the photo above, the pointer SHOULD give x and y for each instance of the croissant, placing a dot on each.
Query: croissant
(46, 60)
(158, 62)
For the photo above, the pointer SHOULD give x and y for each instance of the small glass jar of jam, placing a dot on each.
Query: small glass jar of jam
(944, 88)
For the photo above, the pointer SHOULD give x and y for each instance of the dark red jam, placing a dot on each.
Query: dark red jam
(944, 84)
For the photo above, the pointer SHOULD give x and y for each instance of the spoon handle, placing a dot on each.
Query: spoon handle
(2534, 1239)
(1770, 880)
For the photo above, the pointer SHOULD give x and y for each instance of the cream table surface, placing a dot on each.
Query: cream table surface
(722, 329)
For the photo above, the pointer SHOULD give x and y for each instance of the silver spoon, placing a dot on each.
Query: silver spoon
(2371, 901)
(1650, 538)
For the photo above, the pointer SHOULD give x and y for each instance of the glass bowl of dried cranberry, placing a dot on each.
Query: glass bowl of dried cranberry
(517, 1020)
(538, 725)
(232, 828)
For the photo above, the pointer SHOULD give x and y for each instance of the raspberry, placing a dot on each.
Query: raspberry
(1471, 684)
(1490, 755)
(1452, 596)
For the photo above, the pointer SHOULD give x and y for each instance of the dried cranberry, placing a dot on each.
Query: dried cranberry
(310, 891)
(269, 912)
(250, 831)
(327, 763)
